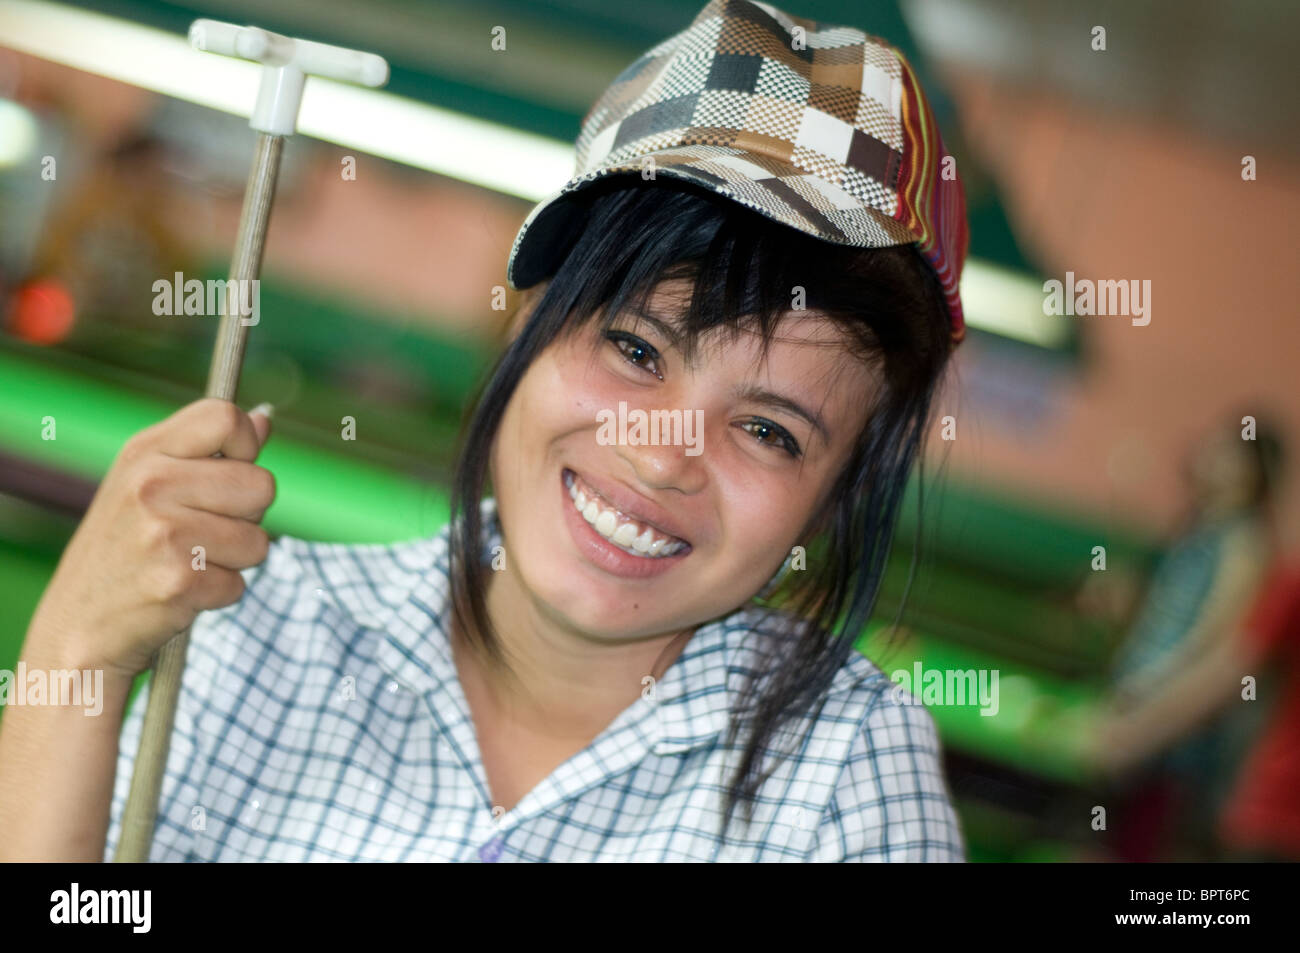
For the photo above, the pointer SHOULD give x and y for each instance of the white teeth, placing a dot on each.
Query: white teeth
(621, 533)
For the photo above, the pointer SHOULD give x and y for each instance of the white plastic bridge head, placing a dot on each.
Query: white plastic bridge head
(286, 63)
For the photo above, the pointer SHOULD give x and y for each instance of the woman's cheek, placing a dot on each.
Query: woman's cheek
(754, 538)
(574, 389)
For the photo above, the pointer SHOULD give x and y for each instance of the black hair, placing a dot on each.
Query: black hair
(744, 269)
(1267, 456)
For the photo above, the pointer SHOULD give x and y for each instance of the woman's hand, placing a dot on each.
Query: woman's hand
(165, 537)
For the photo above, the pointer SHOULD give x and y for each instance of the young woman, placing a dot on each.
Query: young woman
(632, 642)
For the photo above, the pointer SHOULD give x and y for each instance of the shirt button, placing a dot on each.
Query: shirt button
(491, 851)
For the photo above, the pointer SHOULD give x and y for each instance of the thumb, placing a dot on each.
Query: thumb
(261, 417)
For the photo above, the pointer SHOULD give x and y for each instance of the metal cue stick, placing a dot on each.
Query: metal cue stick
(141, 812)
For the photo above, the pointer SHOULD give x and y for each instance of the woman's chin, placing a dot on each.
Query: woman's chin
(604, 618)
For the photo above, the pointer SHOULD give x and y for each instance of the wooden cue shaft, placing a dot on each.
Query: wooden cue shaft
(141, 811)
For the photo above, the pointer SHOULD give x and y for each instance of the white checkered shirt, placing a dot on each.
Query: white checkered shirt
(321, 719)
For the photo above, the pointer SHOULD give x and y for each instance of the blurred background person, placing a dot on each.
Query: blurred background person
(1170, 729)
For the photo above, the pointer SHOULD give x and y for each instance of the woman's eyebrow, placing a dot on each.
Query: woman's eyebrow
(772, 399)
(659, 324)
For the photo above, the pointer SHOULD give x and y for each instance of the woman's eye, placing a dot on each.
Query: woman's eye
(635, 351)
(772, 435)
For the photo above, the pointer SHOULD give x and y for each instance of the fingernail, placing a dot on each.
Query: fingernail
(264, 408)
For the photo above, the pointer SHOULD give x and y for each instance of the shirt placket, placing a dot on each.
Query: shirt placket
(619, 748)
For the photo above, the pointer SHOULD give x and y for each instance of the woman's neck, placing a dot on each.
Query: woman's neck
(555, 677)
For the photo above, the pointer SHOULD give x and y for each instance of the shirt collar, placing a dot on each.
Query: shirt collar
(691, 704)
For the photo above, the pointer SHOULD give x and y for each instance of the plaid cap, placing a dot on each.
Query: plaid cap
(820, 127)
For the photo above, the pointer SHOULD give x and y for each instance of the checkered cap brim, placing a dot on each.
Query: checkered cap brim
(823, 128)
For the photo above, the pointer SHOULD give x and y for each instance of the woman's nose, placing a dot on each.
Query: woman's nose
(667, 465)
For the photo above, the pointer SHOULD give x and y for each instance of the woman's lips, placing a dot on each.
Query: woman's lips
(630, 533)
(611, 539)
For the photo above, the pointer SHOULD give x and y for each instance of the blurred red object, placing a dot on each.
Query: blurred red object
(42, 312)
(1264, 812)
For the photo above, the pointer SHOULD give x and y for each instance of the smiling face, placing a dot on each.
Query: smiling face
(623, 540)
